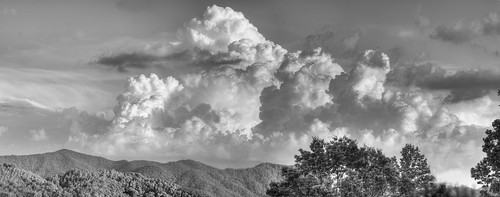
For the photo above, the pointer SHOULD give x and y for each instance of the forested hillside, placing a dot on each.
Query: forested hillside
(17, 182)
(190, 174)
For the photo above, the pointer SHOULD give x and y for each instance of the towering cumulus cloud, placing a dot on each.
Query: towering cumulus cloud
(241, 98)
(218, 28)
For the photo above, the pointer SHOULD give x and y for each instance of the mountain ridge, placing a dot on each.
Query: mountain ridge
(188, 173)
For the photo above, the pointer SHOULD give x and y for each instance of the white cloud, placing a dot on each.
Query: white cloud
(38, 134)
(218, 28)
(254, 101)
(50, 88)
(143, 96)
(236, 97)
(3, 130)
(480, 111)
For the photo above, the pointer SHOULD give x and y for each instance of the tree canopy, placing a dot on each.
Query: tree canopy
(342, 168)
(17, 182)
(416, 175)
(487, 171)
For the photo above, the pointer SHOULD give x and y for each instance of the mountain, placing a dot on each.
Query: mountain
(190, 174)
(17, 182)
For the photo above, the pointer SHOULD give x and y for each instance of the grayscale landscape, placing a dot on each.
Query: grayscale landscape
(250, 98)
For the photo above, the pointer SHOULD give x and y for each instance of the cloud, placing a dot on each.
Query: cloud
(304, 83)
(421, 22)
(38, 134)
(218, 28)
(225, 95)
(222, 37)
(3, 130)
(61, 126)
(462, 33)
(334, 43)
(143, 96)
(481, 111)
(459, 95)
(122, 62)
(365, 80)
(462, 85)
(51, 88)
(489, 25)
(457, 34)
(250, 100)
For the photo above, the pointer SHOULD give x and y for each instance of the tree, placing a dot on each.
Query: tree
(415, 172)
(338, 168)
(487, 171)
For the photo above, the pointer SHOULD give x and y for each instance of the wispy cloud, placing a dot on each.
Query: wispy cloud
(3, 130)
(38, 134)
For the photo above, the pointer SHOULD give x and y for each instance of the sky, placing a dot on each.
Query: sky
(237, 83)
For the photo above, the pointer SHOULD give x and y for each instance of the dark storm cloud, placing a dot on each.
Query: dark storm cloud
(454, 34)
(487, 79)
(123, 62)
(459, 95)
(463, 85)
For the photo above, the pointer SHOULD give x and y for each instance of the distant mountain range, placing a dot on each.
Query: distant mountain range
(190, 174)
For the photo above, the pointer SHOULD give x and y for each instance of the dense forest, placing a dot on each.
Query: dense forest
(17, 182)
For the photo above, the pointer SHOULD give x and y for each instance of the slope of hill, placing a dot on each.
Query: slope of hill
(16, 182)
(23, 183)
(190, 174)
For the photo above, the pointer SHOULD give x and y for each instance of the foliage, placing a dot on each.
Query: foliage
(338, 168)
(85, 183)
(415, 172)
(487, 171)
(198, 177)
(342, 168)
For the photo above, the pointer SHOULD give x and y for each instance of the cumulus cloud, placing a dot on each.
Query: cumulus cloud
(305, 78)
(143, 96)
(218, 28)
(38, 134)
(482, 111)
(365, 80)
(221, 37)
